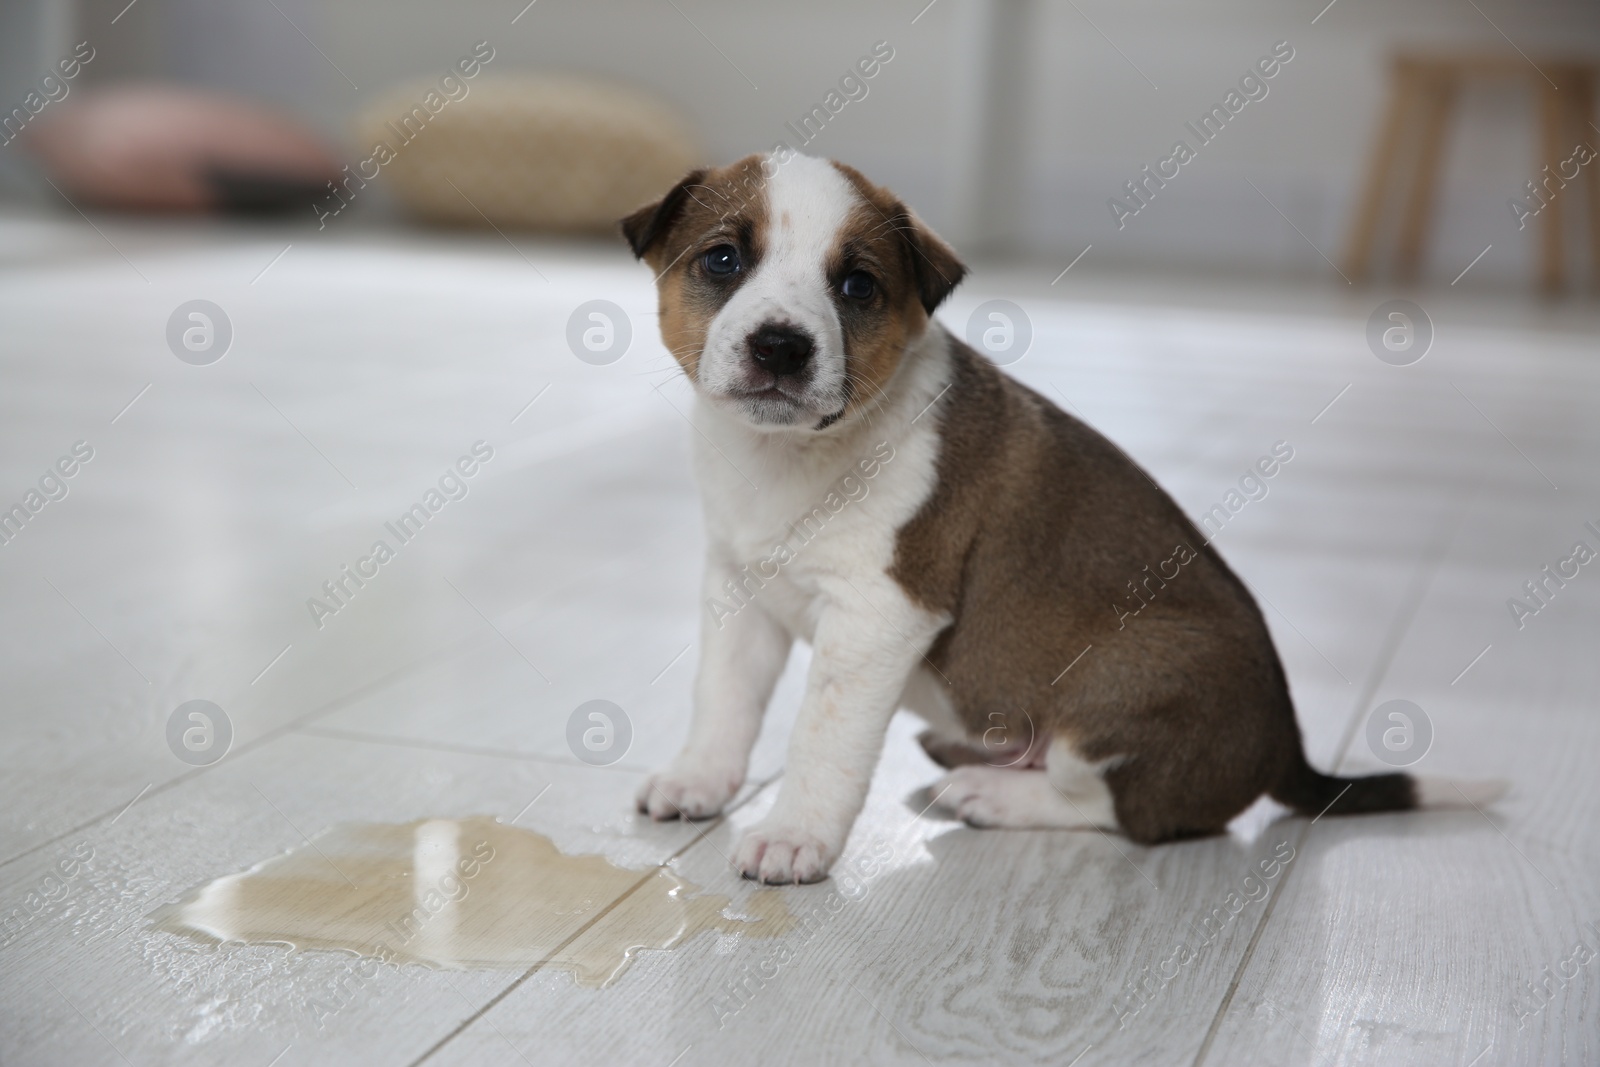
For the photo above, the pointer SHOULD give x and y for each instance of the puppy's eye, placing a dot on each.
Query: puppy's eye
(723, 259)
(857, 285)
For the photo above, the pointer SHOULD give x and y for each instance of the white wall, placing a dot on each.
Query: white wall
(1305, 145)
(1086, 122)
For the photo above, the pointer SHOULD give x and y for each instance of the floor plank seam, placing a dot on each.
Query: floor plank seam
(1410, 608)
(423, 744)
(249, 746)
(555, 952)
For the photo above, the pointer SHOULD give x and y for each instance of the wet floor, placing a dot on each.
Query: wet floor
(462, 893)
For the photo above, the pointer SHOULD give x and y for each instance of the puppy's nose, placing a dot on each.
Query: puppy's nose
(780, 349)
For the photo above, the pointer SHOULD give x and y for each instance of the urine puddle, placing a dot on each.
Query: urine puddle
(462, 893)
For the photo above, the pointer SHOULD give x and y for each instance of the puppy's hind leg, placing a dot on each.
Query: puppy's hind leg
(949, 752)
(947, 741)
(1069, 794)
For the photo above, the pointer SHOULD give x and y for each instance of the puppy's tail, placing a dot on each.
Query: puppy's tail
(1308, 790)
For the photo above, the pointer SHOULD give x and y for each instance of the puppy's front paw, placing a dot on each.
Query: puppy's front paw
(779, 855)
(687, 792)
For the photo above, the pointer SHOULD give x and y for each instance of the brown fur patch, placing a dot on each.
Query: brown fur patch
(726, 205)
(885, 240)
(1040, 540)
(933, 264)
(877, 329)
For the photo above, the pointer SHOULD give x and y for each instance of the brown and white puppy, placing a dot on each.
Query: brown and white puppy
(946, 540)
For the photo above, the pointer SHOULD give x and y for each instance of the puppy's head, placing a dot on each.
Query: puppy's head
(790, 289)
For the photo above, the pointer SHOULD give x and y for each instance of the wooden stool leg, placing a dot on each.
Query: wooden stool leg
(1364, 228)
(1591, 137)
(1437, 93)
(1551, 261)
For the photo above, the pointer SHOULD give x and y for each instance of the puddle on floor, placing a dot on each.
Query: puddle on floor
(461, 893)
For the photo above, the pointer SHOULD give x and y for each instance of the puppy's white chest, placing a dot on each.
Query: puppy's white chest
(796, 547)
(819, 532)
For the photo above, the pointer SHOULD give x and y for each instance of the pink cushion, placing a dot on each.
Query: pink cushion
(166, 149)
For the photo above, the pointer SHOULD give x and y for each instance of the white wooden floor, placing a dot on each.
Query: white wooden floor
(179, 564)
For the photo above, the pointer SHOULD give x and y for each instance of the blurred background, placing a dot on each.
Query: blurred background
(1007, 123)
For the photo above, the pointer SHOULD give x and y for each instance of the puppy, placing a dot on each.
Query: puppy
(946, 540)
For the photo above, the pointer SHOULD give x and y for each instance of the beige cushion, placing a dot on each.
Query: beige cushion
(550, 153)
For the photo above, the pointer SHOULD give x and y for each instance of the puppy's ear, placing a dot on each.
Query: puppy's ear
(645, 227)
(934, 263)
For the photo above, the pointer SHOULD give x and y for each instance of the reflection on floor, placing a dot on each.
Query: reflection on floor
(187, 515)
(459, 893)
